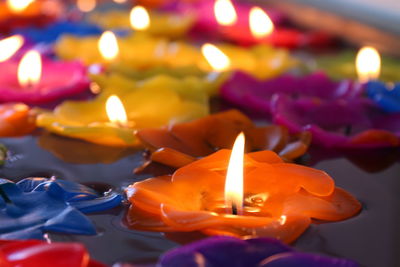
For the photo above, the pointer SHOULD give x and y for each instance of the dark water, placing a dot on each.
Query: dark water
(372, 238)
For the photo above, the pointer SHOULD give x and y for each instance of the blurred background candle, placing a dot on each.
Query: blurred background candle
(143, 52)
(167, 24)
(21, 13)
(36, 81)
(16, 120)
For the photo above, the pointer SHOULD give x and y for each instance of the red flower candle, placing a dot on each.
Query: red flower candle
(275, 199)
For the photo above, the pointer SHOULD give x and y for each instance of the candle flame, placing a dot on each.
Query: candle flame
(108, 46)
(260, 24)
(30, 69)
(234, 176)
(215, 57)
(17, 6)
(225, 12)
(9, 46)
(120, 1)
(86, 5)
(139, 18)
(115, 110)
(368, 64)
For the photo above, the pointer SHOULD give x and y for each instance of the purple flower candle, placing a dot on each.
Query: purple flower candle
(229, 251)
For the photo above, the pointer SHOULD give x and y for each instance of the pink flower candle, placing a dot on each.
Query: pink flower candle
(36, 81)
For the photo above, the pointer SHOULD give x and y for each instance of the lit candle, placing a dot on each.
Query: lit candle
(108, 46)
(34, 80)
(150, 103)
(368, 64)
(20, 13)
(9, 47)
(193, 198)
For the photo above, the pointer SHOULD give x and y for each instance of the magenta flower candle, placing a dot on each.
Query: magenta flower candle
(36, 81)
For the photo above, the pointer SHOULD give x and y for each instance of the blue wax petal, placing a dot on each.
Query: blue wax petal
(98, 204)
(39, 204)
(386, 98)
(72, 221)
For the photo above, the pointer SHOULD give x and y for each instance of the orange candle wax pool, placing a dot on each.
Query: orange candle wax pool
(16, 120)
(275, 199)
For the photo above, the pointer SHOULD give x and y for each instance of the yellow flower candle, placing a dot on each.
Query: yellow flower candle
(124, 106)
(139, 19)
(143, 52)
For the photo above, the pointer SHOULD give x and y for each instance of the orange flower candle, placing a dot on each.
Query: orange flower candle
(16, 120)
(181, 144)
(275, 199)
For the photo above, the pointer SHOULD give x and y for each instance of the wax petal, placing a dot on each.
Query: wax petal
(31, 253)
(298, 259)
(36, 205)
(228, 251)
(204, 136)
(338, 206)
(16, 120)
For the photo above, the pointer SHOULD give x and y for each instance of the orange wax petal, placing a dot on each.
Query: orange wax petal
(338, 206)
(286, 230)
(265, 156)
(196, 220)
(375, 136)
(142, 220)
(171, 157)
(204, 136)
(16, 120)
(312, 180)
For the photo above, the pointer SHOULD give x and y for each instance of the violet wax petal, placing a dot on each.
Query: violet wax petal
(234, 252)
(387, 96)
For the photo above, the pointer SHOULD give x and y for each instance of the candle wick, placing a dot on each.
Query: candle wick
(234, 209)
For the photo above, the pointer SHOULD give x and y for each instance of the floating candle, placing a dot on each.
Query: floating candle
(37, 205)
(260, 29)
(181, 144)
(143, 52)
(39, 253)
(171, 25)
(37, 81)
(150, 103)
(192, 199)
(20, 13)
(255, 96)
(257, 252)
(211, 14)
